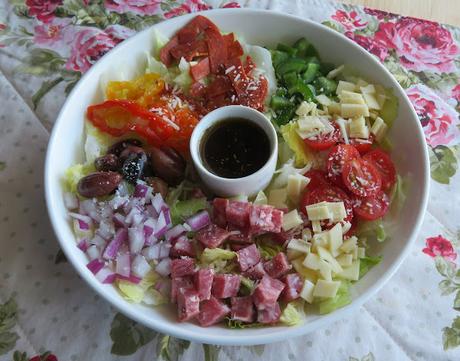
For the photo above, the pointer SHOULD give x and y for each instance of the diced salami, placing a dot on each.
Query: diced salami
(248, 257)
(255, 272)
(265, 218)
(212, 311)
(243, 309)
(267, 292)
(165, 55)
(241, 236)
(188, 304)
(182, 267)
(238, 213)
(270, 314)
(212, 236)
(225, 285)
(219, 214)
(182, 246)
(203, 282)
(237, 246)
(180, 282)
(278, 266)
(293, 287)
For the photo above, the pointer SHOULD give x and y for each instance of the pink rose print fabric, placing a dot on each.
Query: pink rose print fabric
(140, 7)
(350, 20)
(439, 246)
(43, 9)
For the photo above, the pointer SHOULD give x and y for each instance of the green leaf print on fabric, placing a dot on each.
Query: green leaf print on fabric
(451, 335)
(20, 356)
(60, 257)
(258, 349)
(128, 336)
(443, 164)
(8, 318)
(2, 166)
(170, 348)
(211, 352)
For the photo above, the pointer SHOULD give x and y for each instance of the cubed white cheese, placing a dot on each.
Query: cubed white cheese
(323, 100)
(299, 246)
(320, 239)
(261, 198)
(326, 289)
(335, 237)
(368, 89)
(305, 108)
(361, 252)
(381, 98)
(307, 291)
(278, 198)
(361, 83)
(348, 97)
(379, 128)
(351, 272)
(311, 125)
(325, 255)
(354, 110)
(343, 129)
(316, 226)
(349, 245)
(371, 101)
(318, 211)
(344, 85)
(312, 261)
(334, 72)
(334, 108)
(291, 220)
(306, 273)
(325, 270)
(295, 186)
(337, 211)
(345, 260)
(355, 253)
(358, 128)
(306, 234)
(292, 254)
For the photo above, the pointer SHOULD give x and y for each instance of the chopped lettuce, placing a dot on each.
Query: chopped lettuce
(130, 291)
(216, 254)
(184, 209)
(154, 297)
(156, 66)
(96, 143)
(283, 173)
(144, 291)
(75, 173)
(290, 315)
(372, 229)
(160, 40)
(237, 324)
(247, 286)
(398, 195)
(341, 299)
(389, 111)
(366, 263)
(292, 138)
(268, 251)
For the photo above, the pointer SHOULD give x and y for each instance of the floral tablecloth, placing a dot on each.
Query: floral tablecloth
(45, 47)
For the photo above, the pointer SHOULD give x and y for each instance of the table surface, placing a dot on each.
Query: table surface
(444, 11)
(46, 45)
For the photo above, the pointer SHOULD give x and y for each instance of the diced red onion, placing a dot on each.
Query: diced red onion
(163, 268)
(142, 191)
(123, 266)
(187, 227)
(112, 248)
(95, 265)
(151, 211)
(131, 278)
(81, 229)
(199, 220)
(158, 202)
(152, 252)
(93, 252)
(118, 201)
(175, 232)
(164, 250)
(83, 244)
(89, 207)
(167, 214)
(105, 210)
(136, 239)
(123, 189)
(132, 213)
(163, 286)
(106, 229)
(161, 226)
(98, 241)
(149, 227)
(105, 275)
(119, 220)
(151, 240)
(70, 201)
(140, 266)
(80, 217)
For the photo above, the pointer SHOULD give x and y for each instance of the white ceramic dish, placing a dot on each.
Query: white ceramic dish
(262, 28)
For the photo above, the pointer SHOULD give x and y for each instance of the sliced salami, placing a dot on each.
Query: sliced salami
(270, 314)
(225, 285)
(203, 282)
(188, 304)
(293, 287)
(212, 236)
(243, 309)
(267, 292)
(278, 266)
(182, 267)
(248, 257)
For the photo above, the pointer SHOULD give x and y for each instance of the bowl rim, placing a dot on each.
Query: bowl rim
(174, 328)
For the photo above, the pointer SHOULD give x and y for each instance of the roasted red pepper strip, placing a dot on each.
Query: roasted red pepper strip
(117, 117)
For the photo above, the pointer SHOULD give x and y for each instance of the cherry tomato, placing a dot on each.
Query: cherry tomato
(371, 208)
(362, 145)
(382, 161)
(324, 141)
(361, 177)
(327, 193)
(337, 157)
(317, 178)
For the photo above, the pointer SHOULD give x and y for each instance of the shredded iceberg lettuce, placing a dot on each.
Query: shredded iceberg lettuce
(184, 209)
(290, 315)
(159, 40)
(389, 111)
(268, 251)
(366, 263)
(283, 173)
(398, 195)
(341, 299)
(75, 173)
(155, 66)
(372, 229)
(216, 254)
(131, 292)
(96, 143)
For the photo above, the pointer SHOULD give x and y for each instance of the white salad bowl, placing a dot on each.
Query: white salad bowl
(259, 28)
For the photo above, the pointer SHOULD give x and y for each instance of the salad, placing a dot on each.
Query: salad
(151, 229)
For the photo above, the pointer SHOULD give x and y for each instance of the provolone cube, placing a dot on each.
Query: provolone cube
(335, 237)
(320, 239)
(316, 226)
(381, 98)
(293, 254)
(291, 220)
(295, 186)
(261, 199)
(334, 72)
(278, 198)
(326, 289)
(305, 272)
(312, 261)
(337, 211)
(318, 211)
(361, 252)
(361, 83)
(311, 123)
(354, 110)
(373, 114)
(343, 129)
(323, 100)
(344, 85)
(306, 234)
(371, 101)
(351, 272)
(334, 108)
(325, 270)
(346, 226)
(348, 97)
(355, 253)
(358, 128)
(345, 259)
(369, 89)
(349, 245)
(305, 108)
(307, 291)
(324, 254)
(299, 246)
(379, 128)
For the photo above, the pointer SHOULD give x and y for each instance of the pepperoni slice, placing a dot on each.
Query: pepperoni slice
(371, 208)
(200, 70)
(361, 177)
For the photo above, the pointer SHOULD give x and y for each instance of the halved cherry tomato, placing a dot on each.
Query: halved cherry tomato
(337, 157)
(361, 177)
(317, 178)
(324, 141)
(362, 145)
(371, 208)
(385, 166)
(327, 193)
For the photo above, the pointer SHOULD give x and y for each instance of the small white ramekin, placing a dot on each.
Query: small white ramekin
(228, 187)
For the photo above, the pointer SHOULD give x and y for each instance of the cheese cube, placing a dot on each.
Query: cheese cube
(373, 114)
(305, 272)
(307, 291)
(334, 108)
(295, 186)
(344, 85)
(361, 252)
(261, 198)
(324, 254)
(316, 226)
(278, 198)
(337, 211)
(325, 270)
(326, 289)
(335, 237)
(291, 220)
(320, 239)
(371, 101)
(306, 234)
(345, 260)
(379, 128)
(312, 261)
(351, 272)
(381, 98)
(293, 254)
(361, 83)
(323, 100)
(355, 253)
(346, 226)
(358, 128)
(349, 245)
(318, 211)
(334, 72)
(354, 110)
(305, 108)
(368, 89)
(299, 246)
(348, 97)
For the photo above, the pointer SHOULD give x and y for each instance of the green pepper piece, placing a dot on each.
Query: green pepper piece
(302, 46)
(281, 92)
(307, 91)
(290, 79)
(324, 85)
(278, 57)
(292, 65)
(312, 70)
(284, 116)
(278, 103)
(287, 49)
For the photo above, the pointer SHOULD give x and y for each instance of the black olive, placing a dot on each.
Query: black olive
(133, 167)
(108, 162)
(120, 146)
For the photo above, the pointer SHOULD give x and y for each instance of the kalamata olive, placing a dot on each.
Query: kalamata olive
(130, 149)
(118, 147)
(158, 185)
(98, 184)
(133, 167)
(168, 164)
(108, 162)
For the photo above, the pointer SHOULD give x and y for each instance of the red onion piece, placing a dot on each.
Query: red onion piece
(95, 265)
(112, 248)
(123, 266)
(175, 232)
(163, 268)
(70, 201)
(140, 267)
(93, 252)
(152, 252)
(199, 220)
(83, 244)
(136, 239)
